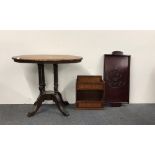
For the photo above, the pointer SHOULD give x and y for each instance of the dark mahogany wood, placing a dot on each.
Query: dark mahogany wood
(117, 78)
(48, 95)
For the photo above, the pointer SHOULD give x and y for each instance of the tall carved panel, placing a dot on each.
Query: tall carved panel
(117, 78)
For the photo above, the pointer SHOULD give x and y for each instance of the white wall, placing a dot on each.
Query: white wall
(19, 82)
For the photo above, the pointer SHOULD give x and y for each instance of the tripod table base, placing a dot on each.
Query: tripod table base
(49, 95)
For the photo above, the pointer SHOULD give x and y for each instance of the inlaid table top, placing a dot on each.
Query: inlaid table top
(47, 59)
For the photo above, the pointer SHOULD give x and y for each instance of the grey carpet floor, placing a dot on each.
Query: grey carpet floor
(132, 114)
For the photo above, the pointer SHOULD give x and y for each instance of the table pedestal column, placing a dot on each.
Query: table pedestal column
(49, 95)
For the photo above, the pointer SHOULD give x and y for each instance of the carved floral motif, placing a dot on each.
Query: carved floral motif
(115, 78)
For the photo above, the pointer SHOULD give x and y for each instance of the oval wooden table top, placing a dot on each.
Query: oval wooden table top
(53, 59)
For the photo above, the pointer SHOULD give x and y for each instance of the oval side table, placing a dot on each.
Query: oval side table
(55, 95)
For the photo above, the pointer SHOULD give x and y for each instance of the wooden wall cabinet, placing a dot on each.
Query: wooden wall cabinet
(117, 78)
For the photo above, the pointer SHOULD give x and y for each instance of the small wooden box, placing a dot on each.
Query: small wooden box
(89, 92)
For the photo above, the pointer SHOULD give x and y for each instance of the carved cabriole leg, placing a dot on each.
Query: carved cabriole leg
(37, 105)
(64, 102)
(41, 98)
(57, 96)
(57, 100)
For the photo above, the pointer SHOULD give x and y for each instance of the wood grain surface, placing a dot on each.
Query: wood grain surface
(47, 59)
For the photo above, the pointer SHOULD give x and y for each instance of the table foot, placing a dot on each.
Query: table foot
(30, 114)
(37, 106)
(57, 99)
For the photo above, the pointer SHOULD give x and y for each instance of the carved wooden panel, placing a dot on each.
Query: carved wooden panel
(117, 78)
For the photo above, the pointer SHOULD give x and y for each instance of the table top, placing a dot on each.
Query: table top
(53, 59)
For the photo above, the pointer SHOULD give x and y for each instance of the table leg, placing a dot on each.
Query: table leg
(58, 97)
(42, 85)
(37, 106)
(57, 100)
(64, 102)
(55, 66)
(48, 95)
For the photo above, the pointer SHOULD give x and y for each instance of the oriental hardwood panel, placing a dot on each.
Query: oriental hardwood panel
(117, 78)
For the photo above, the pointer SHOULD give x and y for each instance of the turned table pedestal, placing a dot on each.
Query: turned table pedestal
(54, 95)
